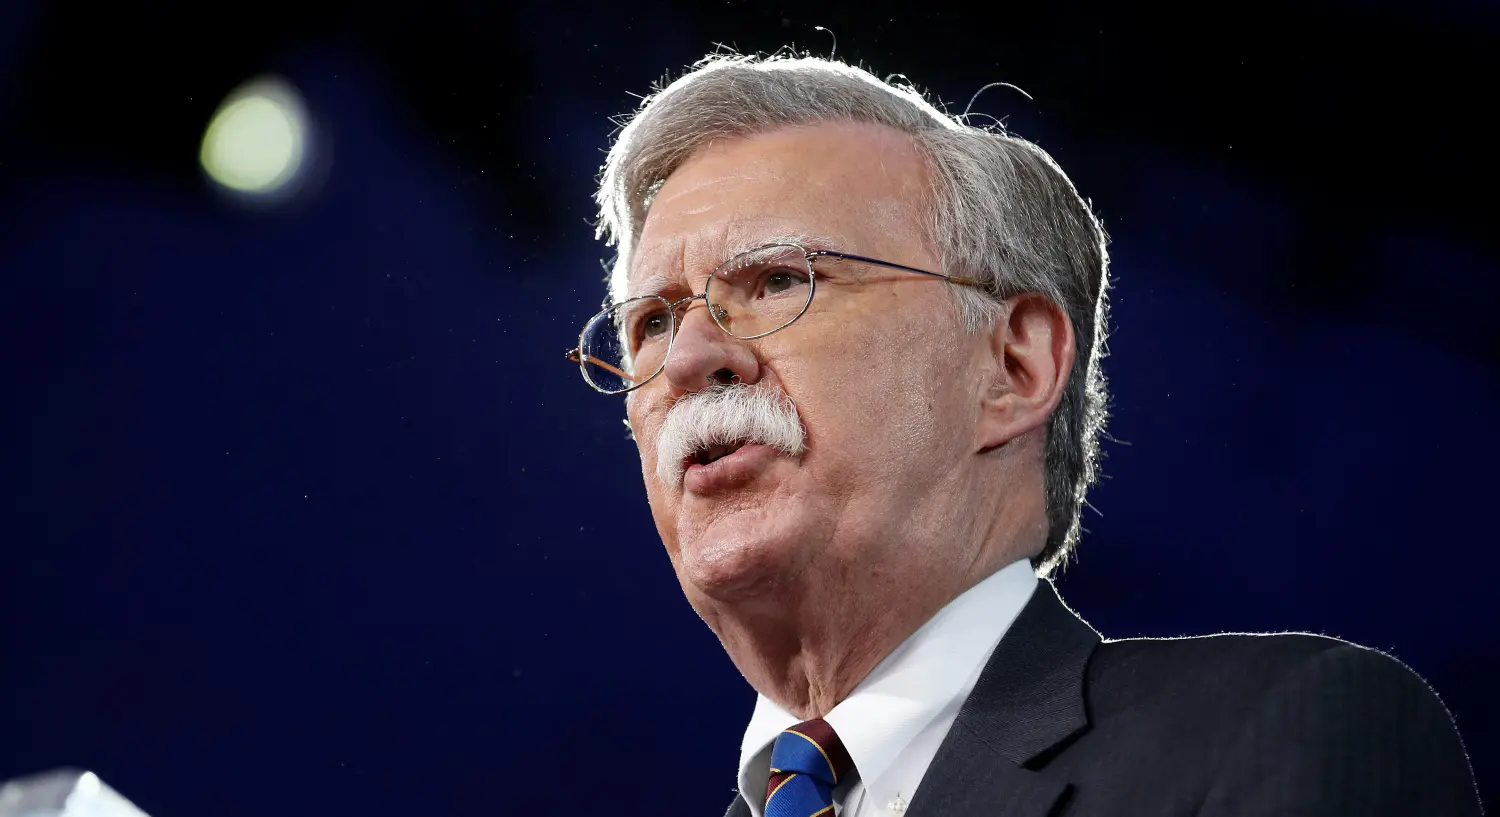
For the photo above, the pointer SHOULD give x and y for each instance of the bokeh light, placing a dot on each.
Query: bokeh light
(257, 141)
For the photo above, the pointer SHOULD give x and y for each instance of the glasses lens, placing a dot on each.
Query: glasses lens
(626, 345)
(760, 291)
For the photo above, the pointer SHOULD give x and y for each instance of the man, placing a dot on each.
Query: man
(859, 343)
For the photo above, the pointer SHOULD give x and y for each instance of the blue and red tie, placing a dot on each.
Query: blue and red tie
(807, 761)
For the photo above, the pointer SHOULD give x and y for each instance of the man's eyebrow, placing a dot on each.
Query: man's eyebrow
(804, 240)
(657, 282)
(653, 284)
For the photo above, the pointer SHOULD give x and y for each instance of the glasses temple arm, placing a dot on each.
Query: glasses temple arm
(581, 358)
(957, 279)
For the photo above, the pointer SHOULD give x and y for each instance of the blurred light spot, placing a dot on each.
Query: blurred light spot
(88, 784)
(257, 141)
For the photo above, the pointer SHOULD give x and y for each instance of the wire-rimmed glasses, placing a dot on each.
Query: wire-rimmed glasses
(751, 295)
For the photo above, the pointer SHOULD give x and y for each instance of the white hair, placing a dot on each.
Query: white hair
(727, 414)
(1002, 211)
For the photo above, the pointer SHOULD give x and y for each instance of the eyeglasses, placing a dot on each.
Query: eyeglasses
(749, 296)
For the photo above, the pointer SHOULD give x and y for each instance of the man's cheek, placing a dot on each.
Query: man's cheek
(645, 441)
(646, 447)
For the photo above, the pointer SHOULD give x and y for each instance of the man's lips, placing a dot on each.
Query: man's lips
(732, 470)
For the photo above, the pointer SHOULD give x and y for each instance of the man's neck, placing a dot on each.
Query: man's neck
(808, 674)
(809, 655)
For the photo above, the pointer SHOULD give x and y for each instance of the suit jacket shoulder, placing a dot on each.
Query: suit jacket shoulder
(1222, 673)
(1234, 725)
(1062, 723)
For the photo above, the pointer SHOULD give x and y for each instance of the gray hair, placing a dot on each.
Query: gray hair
(1002, 211)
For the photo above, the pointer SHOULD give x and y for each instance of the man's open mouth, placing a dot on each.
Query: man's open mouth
(704, 456)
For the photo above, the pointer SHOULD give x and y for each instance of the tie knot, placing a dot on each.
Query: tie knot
(811, 748)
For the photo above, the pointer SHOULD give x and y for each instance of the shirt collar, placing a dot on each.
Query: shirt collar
(935, 667)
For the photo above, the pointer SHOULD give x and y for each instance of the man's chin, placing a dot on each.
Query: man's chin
(736, 568)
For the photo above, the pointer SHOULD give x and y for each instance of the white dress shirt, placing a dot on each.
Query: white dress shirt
(894, 721)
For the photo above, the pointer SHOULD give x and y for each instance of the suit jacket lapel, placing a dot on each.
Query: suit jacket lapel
(1028, 699)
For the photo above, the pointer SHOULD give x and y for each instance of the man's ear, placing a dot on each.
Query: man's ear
(1032, 349)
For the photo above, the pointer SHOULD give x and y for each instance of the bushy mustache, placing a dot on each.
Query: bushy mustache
(727, 414)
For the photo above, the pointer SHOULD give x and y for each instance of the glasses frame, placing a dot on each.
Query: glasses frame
(717, 312)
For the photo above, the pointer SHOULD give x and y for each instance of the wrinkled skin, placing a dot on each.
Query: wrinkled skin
(922, 470)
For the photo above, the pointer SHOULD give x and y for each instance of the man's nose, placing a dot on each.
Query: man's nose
(704, 355)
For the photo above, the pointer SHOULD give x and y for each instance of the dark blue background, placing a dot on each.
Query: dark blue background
(306, 514)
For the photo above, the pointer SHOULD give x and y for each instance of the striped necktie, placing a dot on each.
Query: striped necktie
(807, 761)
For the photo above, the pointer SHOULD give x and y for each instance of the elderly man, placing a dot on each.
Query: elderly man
(860, 347)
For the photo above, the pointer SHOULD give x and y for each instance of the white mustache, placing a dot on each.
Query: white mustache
(727, 414)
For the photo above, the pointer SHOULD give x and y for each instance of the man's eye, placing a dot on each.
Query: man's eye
(653, 326)
(778, 281)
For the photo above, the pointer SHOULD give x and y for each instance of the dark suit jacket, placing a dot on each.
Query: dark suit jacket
(1063, 724)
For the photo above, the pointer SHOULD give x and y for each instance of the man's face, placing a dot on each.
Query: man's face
(883, 377)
